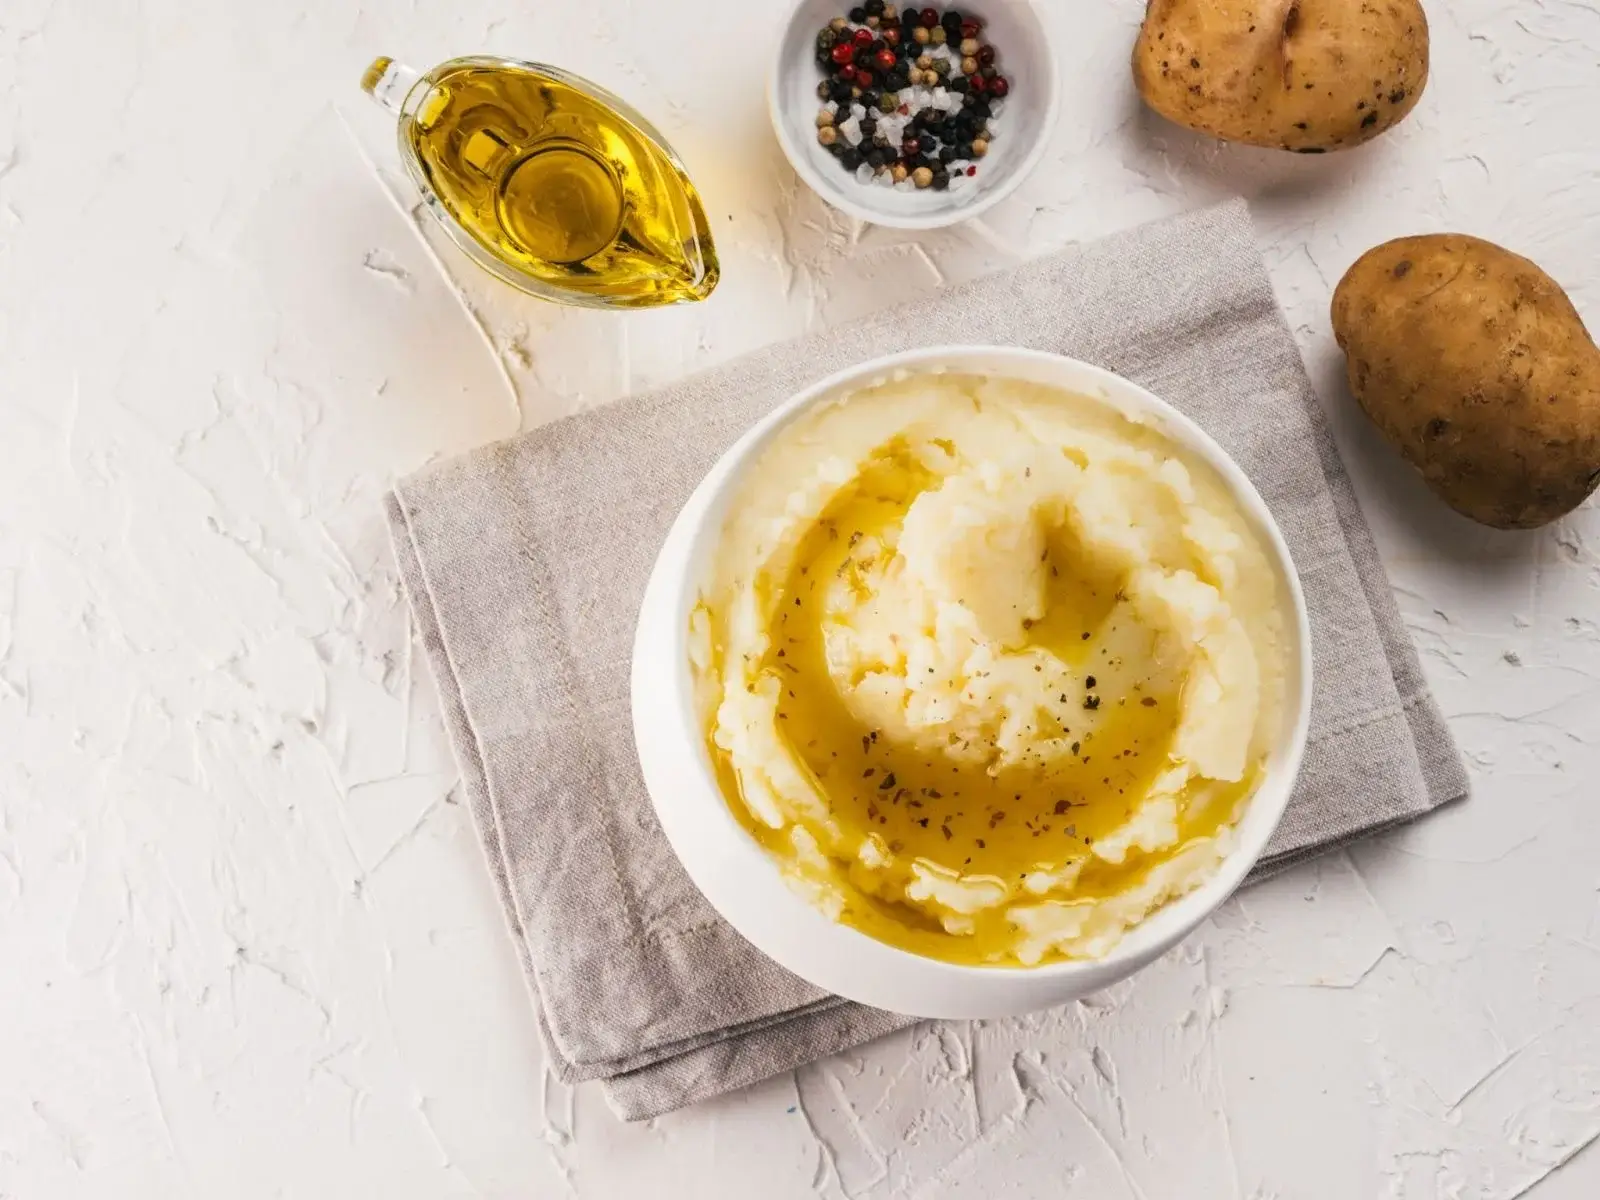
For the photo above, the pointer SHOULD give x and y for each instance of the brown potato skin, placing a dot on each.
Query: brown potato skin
(1472, 362)
(1302, 75)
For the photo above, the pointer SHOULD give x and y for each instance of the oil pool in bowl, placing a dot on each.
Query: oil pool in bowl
(990, 668)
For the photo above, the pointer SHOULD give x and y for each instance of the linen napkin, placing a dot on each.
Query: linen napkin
(525, 562)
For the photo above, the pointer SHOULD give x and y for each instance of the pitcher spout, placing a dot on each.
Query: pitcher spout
(389, 82)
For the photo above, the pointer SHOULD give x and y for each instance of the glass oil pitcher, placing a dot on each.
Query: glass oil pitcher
(549, 182)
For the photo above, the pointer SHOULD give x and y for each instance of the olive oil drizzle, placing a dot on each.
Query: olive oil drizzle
(997, 825)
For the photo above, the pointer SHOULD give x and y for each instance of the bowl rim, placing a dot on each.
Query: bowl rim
(982, 201)
(662, 637)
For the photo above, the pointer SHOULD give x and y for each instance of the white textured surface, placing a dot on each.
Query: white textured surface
(248, 946)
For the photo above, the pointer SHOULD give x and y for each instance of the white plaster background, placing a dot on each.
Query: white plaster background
(247, 947)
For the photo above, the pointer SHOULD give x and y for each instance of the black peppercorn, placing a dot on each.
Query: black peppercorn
(896, 82)
(870, 98)
(964, 150)
(959, 84)
(875, 158)
(874, 8)
(947, 154)
(941, 180)
(858, 16)
(850, 159)
(927, 142)
(952, 24)
(868, 125)
(840, 91)
(864, 58)
(909, 20)
(838, 147)
(980, 108)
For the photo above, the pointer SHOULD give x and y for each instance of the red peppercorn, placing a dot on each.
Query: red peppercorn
(911, 148)
(843, 53)
(977, 82)
(863, 37)
(930, 17)
(890, 35)
(998, 87)
(986, 56)
(969, 28)
(863, 77)
(972, 170)
(886, 59)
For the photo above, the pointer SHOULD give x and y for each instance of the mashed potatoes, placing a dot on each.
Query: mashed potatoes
(991, 668)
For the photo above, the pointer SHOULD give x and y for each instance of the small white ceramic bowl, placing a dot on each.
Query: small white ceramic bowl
(747, 886)
(1013, 27)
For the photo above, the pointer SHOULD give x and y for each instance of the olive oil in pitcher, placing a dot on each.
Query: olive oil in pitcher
(550, 182)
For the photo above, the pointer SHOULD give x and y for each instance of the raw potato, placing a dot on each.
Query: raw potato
(1304, 75)
(1473, 363)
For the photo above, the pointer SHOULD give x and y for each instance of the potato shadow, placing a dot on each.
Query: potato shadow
(1276, 182)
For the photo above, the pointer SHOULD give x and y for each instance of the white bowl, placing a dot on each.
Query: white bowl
(1013, 27)
(746, 885)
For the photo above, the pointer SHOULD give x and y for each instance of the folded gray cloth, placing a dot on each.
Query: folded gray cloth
(525, 562)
